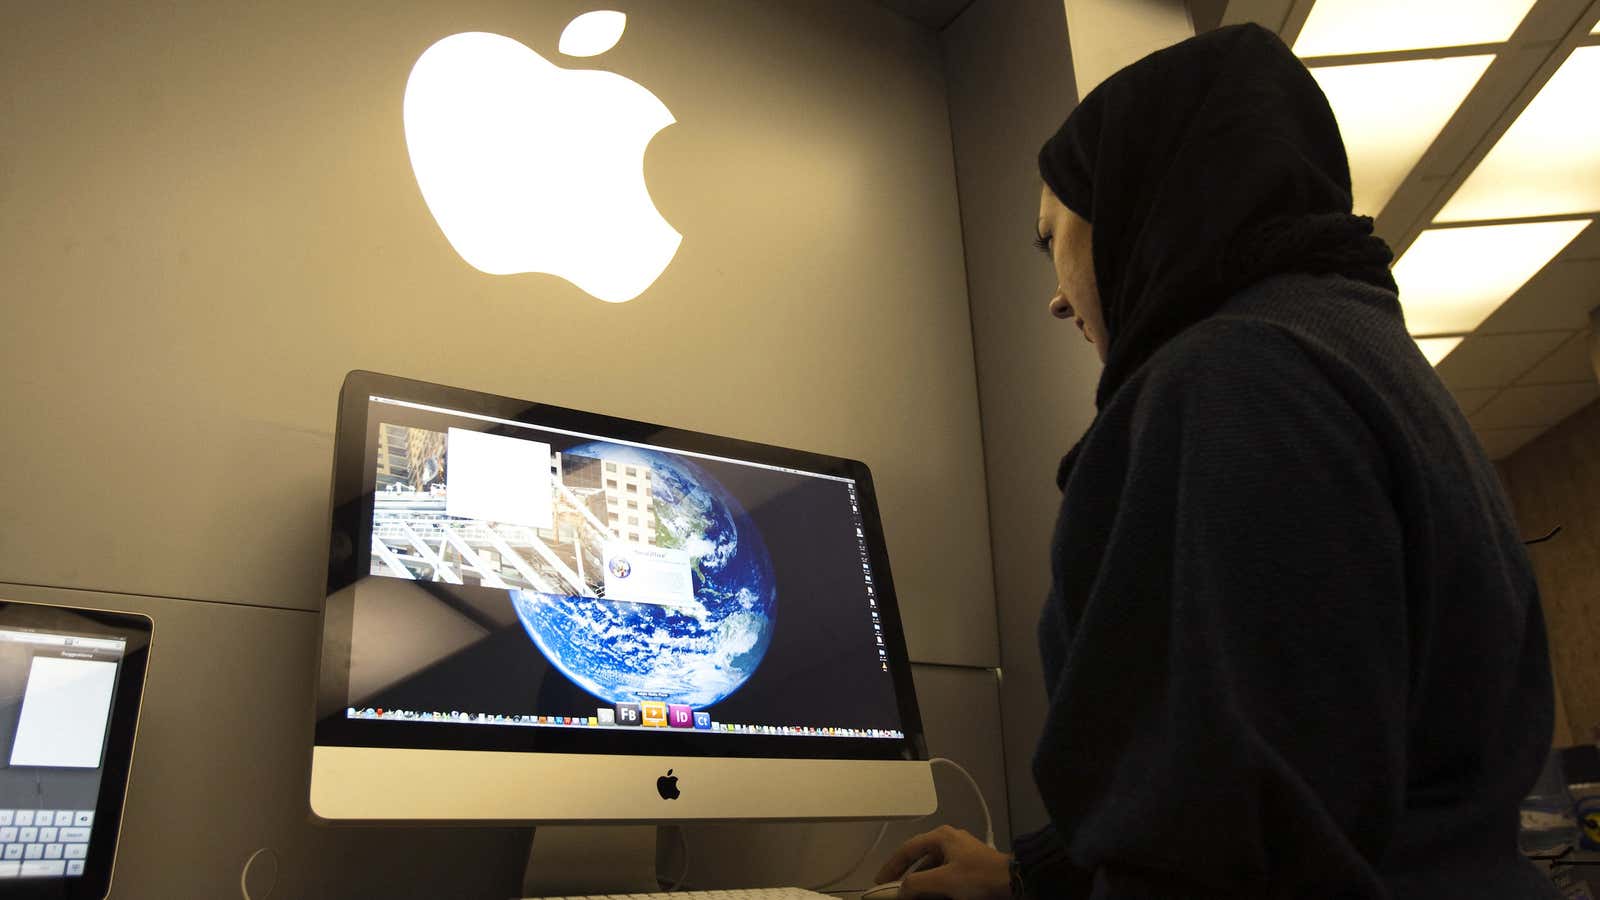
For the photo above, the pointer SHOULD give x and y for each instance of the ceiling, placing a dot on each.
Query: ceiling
(934, 14)
(1527, 367)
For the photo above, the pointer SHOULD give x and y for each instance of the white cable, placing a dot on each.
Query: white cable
(988, 824)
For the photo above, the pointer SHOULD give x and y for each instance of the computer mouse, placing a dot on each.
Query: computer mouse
(890, 890)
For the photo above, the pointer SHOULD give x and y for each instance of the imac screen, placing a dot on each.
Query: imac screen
(527, 577)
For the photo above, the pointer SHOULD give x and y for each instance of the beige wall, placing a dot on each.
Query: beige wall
(1011, 86)
(210, 216)
(1109, 34)
(1014, 76)
(1555, 480)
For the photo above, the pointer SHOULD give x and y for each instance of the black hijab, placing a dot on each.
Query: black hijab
(1204, 168)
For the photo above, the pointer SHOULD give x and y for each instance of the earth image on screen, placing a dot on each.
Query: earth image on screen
(623, 652)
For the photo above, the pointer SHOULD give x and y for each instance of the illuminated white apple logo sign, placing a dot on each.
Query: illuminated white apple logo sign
(529, 167)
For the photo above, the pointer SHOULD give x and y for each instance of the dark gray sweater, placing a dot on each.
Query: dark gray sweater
(1293, 645)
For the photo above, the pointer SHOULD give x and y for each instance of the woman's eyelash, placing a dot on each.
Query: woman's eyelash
(1042, 243)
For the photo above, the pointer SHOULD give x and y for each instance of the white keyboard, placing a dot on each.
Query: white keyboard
(744, 894)
(36, 843)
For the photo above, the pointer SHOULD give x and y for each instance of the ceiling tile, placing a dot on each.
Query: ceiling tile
(1548, 162)
(1570, 364)
(1548, 23)
(1452, 279)
(1557, 299)
(1390, 112)
(1436, 349)
(1497, 360)
(1500, 443)
(1525, 407)
(1585, 246)
(935, 14)
(1473, 399)
(1499, 88)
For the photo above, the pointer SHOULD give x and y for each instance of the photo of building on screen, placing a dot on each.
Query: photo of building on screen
(476, 508)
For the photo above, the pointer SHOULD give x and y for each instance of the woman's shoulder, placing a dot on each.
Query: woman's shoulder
(1244, 377)
(1227, 353)
(1291, 334)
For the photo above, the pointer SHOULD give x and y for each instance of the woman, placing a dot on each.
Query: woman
(1293, 645)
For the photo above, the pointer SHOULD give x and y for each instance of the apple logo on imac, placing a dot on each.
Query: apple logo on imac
(667, 786)
(529, 167)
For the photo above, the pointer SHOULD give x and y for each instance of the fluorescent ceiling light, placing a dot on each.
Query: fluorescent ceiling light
(1548, 162)
(1389, 114)
(1451, 279)
(1436, 349)
(1372, 26)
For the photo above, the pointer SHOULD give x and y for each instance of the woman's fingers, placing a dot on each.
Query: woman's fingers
(964, 868)
(908, 853)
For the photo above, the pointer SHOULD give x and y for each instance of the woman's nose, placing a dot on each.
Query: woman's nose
(1059, 307)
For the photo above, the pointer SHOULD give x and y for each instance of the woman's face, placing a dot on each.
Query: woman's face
(1064, 236)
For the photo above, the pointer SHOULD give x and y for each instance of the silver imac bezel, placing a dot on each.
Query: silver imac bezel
(363, 783)
(461, 772)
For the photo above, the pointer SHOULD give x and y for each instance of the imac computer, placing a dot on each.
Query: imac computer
(536, 614)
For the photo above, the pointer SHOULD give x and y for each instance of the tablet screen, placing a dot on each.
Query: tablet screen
(63, 758)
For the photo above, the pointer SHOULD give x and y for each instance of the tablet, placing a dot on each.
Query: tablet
(70, 685)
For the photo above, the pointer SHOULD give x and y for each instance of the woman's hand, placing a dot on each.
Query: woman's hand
(959, 867)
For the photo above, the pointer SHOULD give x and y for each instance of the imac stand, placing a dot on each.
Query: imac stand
(591, 859)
